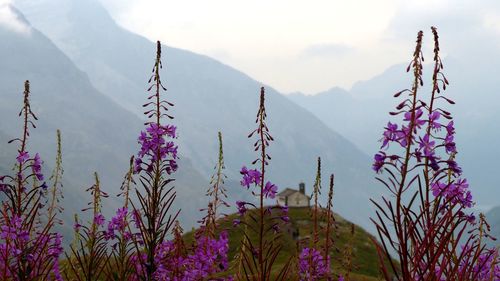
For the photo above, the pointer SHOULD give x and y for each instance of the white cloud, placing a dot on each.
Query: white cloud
(327, 50)
(10, 20)
(492, 20)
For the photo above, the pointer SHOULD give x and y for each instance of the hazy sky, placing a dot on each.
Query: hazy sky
(306, 46)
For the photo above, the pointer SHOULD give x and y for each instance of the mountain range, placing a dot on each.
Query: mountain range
(89, 78)
(361, 113)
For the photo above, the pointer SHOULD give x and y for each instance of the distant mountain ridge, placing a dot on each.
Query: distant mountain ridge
(361, 113)
(208, 97)
(97, 134)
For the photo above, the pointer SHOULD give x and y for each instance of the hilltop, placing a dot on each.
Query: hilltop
(365, 257)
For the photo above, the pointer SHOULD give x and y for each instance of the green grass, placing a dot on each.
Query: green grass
(365, 257)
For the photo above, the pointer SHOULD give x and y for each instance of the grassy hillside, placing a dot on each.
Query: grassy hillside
(365, 257)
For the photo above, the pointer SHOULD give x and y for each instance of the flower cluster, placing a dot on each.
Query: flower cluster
(424, 141)
(119, 223)
(487, 267)
(254, 176)
(456, 192)
(13, 230)
(425, 178)
(42, 256)
(312, 265)
(207, 258)
(427, 209)
(155, 148)
(36, 167)
(24, 161)
(251, 176)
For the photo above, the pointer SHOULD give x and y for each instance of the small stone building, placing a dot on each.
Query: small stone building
(294, 198)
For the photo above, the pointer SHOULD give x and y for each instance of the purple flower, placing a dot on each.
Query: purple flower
(438, 188)
(36, 167)
(241, 205)
(250, 176)
(450, 128)
(402, 136)
(455, 193)
(208, 257)
(379, 161)
(312, 265)
(276, 228)
(285, 218)
(118, 222)
(22, 157)
(137, 165)
(418, 122)
(77, 226)
(427, 146)
(449, 144)
(14, 229)
(99, 219)
(155, 148)
(433, 117)
(136, 218)
(390, 134)
(433, 163)
(270, 190)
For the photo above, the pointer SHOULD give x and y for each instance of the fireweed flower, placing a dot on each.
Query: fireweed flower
(241, 207)
(263, 222)
(270, 190)
(312, 265)
(77, 226)
(209, 257)
(119, 221)
(29, 249)
(251, 176)
(427, 146)
(154, 147)
(456, 193)
(156, 161)
(36, 167)
(22, 157)
(390, 134)
(121, 228)
(90, 240)
(450, 128)
(453, 166)
(450, 145)
(99, 219)
(417, 121)
(427, 172)
(433, 120)
(14, 230)
(487, 268)
(379, 161)
(402, 136)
